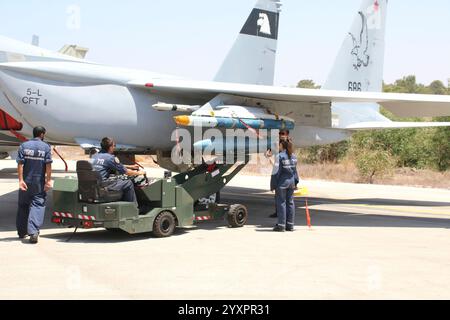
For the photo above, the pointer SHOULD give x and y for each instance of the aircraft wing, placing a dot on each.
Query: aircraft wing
(396, 125)
(402, 105)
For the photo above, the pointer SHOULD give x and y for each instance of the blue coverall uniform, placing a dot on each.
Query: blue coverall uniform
(34, 155)
(284, 181)
(107, 164)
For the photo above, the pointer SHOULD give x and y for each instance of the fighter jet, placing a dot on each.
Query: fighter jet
(80, 102)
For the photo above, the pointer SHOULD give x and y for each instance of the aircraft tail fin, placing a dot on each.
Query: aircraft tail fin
(359, 64)
(252, 57)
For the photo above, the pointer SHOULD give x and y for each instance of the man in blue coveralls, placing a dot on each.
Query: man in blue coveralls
(106, 164)
(35, 179)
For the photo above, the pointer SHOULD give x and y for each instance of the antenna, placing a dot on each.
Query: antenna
(35, 40)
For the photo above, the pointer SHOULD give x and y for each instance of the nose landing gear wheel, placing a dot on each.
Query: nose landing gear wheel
(164, 225)
(237, 216)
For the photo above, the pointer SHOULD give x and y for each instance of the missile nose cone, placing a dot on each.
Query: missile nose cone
(182, 120)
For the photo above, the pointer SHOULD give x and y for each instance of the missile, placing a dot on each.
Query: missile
(175, 107)
(237, 145)
(234, 123)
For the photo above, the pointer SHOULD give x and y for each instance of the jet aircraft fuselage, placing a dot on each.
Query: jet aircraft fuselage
(81, 102)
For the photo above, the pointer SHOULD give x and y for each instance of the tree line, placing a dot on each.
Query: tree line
(379, 152)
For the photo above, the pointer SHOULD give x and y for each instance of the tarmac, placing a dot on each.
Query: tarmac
(367, 242)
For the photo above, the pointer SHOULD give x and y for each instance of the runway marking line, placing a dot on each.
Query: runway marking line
(406, 209)
(381, 207)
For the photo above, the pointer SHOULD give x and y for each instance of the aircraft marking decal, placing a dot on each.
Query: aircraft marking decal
(262, 23)
(370, 20)
(361, 45)
(34, 97)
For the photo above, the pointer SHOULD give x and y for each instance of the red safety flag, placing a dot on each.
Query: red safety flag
(308, 216)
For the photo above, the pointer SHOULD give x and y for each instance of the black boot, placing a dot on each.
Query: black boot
(34, 239)
(279, 229)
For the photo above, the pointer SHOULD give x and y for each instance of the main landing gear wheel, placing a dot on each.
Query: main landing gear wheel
(237, 216)
(164, 225)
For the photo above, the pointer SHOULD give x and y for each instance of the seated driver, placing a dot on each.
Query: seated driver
(106, 164)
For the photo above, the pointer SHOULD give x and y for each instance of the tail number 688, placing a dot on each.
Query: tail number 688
(354, 86)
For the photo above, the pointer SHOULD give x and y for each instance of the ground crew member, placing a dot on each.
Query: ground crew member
(35, 179)
(284, 181)
(284, 136)
(106, 164)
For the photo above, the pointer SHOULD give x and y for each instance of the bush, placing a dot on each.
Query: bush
(415, 148)
(374, 163)
(332, 153)
(439, 156)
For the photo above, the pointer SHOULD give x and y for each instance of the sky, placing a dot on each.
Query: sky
(191, 38)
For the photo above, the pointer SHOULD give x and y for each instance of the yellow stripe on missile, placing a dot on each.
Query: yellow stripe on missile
(182, 120)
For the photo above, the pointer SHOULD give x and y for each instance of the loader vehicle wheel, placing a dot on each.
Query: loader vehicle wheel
(237, 216)
(164, 225)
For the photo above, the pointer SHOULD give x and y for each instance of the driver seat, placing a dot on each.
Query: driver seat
(91, 188)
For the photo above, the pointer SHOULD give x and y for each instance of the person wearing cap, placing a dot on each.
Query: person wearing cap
(35, 179)
(284, 135)
(106, 163)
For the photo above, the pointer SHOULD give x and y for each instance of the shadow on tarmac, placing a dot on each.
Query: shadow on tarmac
(104, 236)
(11, 173)
(234, 191)
(260, 207)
